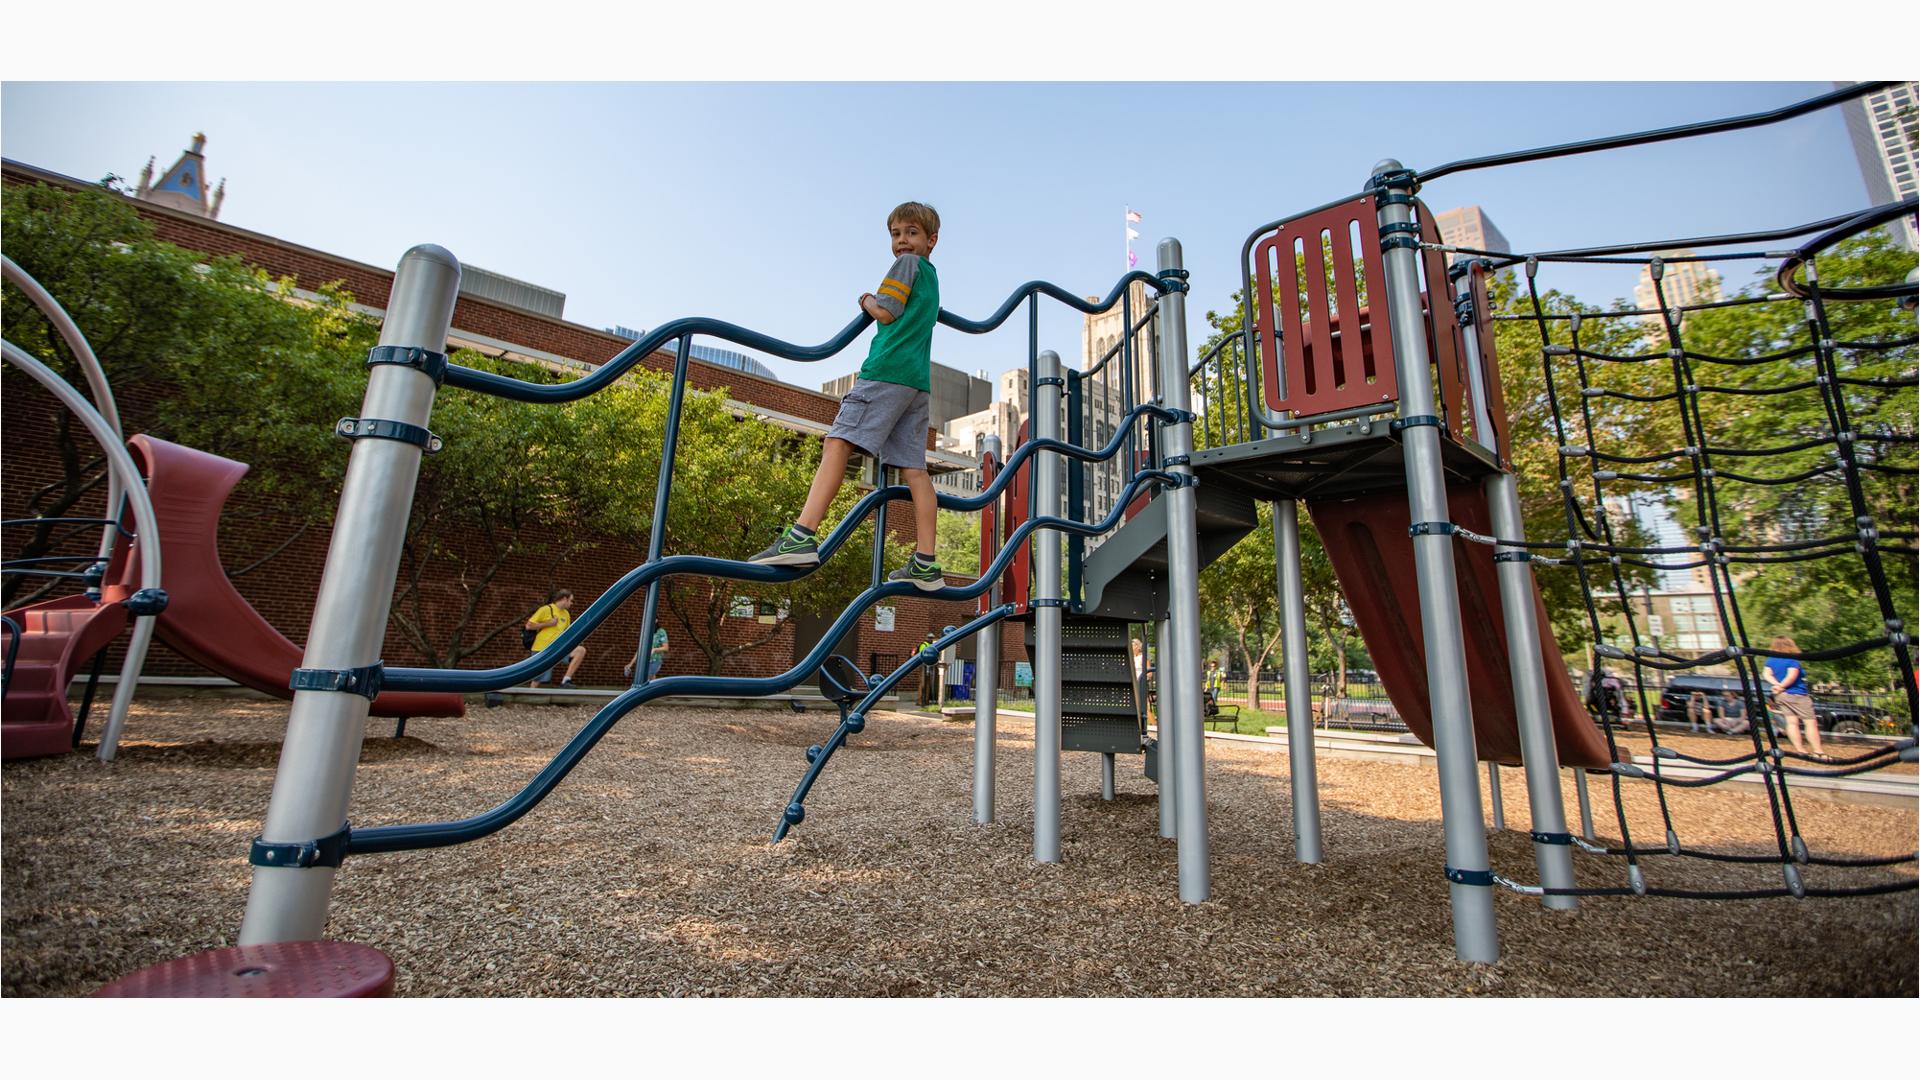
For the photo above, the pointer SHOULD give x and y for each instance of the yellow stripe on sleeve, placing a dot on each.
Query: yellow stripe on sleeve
(902, 287)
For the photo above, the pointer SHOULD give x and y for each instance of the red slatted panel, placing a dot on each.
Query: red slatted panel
(1014, 589)
(1297, 343)
(989, 522)
(1489, 362)
(1443, 329)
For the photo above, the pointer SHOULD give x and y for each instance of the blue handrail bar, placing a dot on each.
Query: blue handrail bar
(402, 678)
(443, 834)
(606, 374)
(856, 718)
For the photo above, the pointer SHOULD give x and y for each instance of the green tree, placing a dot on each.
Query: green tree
(1822, 603)
(957, 542)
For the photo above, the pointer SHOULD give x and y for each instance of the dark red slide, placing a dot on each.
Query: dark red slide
(207, 620)
(58, 636)
(1366, 539)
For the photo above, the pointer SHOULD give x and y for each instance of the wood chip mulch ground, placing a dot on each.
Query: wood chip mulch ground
(648, 872)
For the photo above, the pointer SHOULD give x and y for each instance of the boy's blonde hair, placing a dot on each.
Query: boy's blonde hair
(916, 213)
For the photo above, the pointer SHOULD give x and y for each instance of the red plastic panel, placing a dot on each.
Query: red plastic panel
(207, 620)
(1297, 342)
(1366, 540)
(1442, 328)
(286, 969)
(1015, 587)
(989, 523)
(58, 636)
(1489, 363)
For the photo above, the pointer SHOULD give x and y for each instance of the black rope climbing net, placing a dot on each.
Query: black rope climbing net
(1871, 464)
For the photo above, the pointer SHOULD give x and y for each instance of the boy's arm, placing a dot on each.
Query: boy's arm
(890, 301)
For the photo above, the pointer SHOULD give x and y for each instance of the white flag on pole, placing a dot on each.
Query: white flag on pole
(1132, 233)
(1133, 216)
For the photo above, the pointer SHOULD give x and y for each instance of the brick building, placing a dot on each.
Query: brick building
(284, 591)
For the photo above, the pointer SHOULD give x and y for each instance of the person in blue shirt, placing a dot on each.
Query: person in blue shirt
(1787, 683)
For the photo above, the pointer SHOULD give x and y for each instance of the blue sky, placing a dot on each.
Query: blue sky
(764, 203)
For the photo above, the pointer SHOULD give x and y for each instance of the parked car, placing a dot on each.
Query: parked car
(1839, 717)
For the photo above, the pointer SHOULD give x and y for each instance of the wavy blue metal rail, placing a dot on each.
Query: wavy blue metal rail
(656, 568)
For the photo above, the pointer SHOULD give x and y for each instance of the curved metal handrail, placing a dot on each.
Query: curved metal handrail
(402, 678)
(606, 374)
(442, 834)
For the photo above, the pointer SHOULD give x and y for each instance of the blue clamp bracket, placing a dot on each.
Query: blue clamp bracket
(146, 602)
(1050, 380)
(1395, 179)
(1049, 602)
(1432, 528)
(1405, 422)
(1177, 459)
(326, 851)
(1482, 878)
(1552, 838)
(1393, 198)
(1174, 280)
(1512, 556)
(364, 681)
(433, 364)
(412, 434)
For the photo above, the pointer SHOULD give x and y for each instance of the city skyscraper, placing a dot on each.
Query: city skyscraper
(1470, 227)
(1681, 284)
(1884, 128)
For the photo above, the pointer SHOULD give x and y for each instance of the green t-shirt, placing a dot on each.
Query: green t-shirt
(902, 351)
(659, 641)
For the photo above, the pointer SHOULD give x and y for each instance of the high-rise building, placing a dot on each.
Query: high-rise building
(955, 393)
(1884, 128)
(1682, 284)
(1470, 227)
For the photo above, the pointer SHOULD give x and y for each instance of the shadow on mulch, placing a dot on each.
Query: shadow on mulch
(878, 735)
(259, 755)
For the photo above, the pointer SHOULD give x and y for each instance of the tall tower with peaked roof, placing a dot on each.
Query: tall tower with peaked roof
(183, 186)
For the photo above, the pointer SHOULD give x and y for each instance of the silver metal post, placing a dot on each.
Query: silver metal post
(1169, 782)
(1586, 805)
(1046, 618)
(1302, 766)
(1106, 777)
(1537, 751)
(1474, 935)
(986, 683)
(314, 784)
(1180, 671)
(1493, 796)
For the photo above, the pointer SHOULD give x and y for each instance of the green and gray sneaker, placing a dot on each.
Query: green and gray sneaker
(796, 547)
(924, 573)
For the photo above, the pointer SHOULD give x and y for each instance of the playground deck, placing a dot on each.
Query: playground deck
(649, 873)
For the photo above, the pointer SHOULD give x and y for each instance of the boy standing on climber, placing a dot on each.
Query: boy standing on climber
(884, 416)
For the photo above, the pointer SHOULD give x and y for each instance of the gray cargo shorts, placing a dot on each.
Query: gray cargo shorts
(885, 421)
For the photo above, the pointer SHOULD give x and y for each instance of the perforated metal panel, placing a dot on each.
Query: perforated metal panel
(1098, 710)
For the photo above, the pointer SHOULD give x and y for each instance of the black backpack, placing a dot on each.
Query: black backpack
(526, 635)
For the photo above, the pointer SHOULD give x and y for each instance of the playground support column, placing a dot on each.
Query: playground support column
(1475, 937)
(1046, 618)
(314, 784)
(1301, 765)
(986, 682)
(662, 494)
(1180, 668)
(1537, 751)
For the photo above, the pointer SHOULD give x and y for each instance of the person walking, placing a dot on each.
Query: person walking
(549, 623)
(1787, 682)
